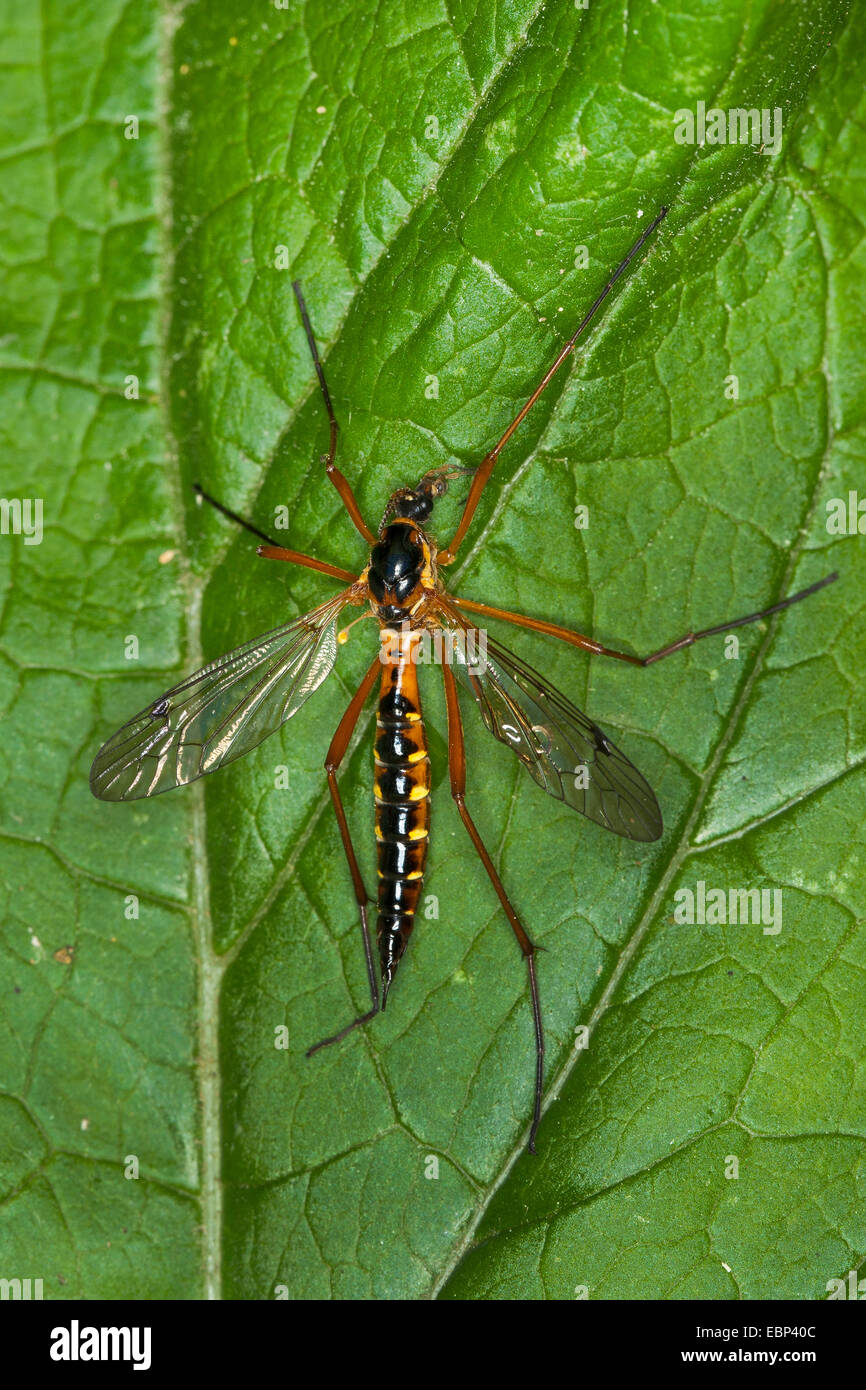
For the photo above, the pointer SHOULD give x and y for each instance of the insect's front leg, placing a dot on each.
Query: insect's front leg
(341, 483)
(485, 468)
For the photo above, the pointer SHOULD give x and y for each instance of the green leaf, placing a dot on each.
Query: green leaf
(431, 178)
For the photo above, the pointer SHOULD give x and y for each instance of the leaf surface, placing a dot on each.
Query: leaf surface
(432, 178)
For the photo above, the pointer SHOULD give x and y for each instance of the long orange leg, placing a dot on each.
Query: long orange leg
(273, 551)
(485, 468)
(336, 753)
(457, 770)
(340, 482)
(586, 643)
(294, 557)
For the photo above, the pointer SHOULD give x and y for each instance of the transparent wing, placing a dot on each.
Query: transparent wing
(221, 712)
(567, 754)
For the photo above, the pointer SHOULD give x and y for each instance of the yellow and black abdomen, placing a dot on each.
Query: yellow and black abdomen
(402, 798)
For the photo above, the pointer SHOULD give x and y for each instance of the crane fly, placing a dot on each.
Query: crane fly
(228, 707)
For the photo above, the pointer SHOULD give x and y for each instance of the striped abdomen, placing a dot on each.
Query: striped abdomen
(402, 798)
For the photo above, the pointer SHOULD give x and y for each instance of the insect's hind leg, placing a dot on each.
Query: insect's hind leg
(336, 753)
(457, 770)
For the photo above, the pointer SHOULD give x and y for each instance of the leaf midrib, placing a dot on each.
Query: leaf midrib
(213, 967)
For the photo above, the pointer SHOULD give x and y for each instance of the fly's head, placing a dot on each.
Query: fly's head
(416, 503)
